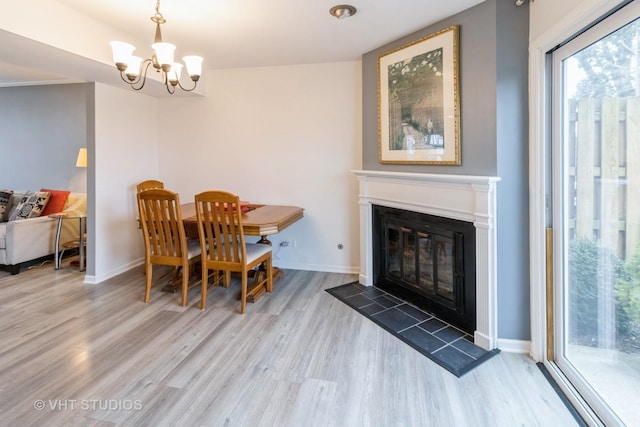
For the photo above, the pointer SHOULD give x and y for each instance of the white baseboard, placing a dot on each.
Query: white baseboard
(94, 280)
(317, 267)
(514, 346)
(90, 280)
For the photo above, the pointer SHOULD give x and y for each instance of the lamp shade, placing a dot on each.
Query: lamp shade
(81, 161)
(194, 65)
(121, 52)
(133, 67)
(164, 52)
(174, 73)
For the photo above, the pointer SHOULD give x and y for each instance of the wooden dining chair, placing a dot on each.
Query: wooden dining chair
(165, 241)
(223, 245)
(149, 184)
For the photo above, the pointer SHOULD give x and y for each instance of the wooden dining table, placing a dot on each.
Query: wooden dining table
(257, 220)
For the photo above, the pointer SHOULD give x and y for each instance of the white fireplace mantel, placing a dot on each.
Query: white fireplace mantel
(462, 197)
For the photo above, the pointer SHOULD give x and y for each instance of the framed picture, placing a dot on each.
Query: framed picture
(418, 101)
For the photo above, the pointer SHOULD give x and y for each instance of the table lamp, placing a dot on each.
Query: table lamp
(81, 161)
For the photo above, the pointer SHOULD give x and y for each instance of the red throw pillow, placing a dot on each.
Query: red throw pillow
(56, 201)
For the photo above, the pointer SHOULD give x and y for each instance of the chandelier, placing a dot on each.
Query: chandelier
(133, 69)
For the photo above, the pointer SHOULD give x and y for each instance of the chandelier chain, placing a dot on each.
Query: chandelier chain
(157, 17)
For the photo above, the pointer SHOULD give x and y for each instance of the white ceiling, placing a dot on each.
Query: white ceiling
(253, 33)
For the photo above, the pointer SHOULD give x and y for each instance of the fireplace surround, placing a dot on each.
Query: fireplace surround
(462, 197)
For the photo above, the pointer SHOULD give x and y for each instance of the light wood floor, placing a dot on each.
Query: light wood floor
(298, 357)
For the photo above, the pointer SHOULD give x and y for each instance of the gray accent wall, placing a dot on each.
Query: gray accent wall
(493, 64)
(477, 64)
(41, 130)
(512, 129)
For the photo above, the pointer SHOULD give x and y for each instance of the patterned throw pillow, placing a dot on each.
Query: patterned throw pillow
(5, 197)
(30, 206)
(15, 199)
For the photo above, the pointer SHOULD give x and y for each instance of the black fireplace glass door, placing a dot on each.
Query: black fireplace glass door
(394, 253)
(445, 267)
(408, 256)
(427, 260)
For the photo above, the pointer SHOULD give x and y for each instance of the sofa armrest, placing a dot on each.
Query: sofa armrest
(29, 239)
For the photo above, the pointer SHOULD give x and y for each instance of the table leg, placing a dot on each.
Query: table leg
(257, 291)
(82, 265)
(57, 245)
(264, 241)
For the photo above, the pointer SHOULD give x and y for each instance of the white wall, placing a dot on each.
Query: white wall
(125, 153)
(276, 135)
(57, 25)
(560, 19)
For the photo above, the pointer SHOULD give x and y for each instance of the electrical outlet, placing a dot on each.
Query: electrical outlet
(288, 243)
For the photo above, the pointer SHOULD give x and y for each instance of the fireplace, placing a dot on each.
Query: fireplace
(428, 261)
(465, 198)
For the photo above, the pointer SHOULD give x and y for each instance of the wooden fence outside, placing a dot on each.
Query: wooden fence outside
(604, 175)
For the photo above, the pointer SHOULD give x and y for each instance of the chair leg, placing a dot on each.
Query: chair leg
(185, 284)
(227, 278)
(205, 285)
(148, 271)
(243, 292)
(269, 274)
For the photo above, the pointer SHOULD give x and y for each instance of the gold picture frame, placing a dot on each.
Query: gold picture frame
(418, 101)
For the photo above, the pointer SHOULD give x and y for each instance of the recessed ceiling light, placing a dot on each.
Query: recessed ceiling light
(342, 11)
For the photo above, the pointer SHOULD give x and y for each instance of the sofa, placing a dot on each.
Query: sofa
(27, 233)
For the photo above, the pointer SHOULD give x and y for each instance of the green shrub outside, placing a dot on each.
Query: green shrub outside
(628, 298)
(590, 267)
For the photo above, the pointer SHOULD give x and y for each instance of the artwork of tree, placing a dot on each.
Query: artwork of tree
(416, 87)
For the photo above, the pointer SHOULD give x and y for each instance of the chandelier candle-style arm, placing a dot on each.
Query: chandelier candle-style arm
(133, 69)
(136, 72)
(173, 76)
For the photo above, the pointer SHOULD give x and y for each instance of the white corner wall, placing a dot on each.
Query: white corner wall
(125, 153)
(284, 135)
(561, 19)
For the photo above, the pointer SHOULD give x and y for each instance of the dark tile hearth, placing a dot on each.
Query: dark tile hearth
(444, 344)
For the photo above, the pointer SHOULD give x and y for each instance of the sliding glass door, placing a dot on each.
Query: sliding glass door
(596, 215)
